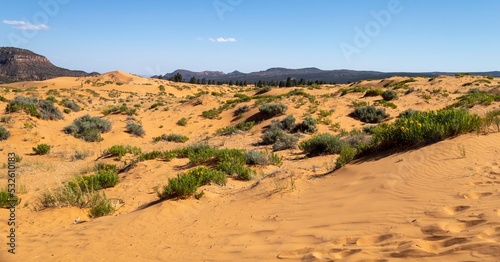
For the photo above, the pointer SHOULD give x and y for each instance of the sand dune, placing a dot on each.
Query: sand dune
(435, 203)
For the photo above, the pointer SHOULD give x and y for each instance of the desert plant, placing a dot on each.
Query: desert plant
(4, 133)
(389, 95)
(308, 125)
(41, 149)
(347, 154)
(88, 128)
(211, 114)
(373, 92)
(285, 142)
(121, 150)
(100, 205)
(43, 109)
(7, 200)
(185, 185)
(135, 129)
(182, 122)
(272, 110)
(322, 144)
(71, 105)
(241, 110)
(171, 138)
(369, 114)
(287, 123)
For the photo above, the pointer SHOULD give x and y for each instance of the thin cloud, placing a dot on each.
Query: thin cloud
(223, 40)
(22, 25)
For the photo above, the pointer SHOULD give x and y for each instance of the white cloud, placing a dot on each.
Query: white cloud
(22, 25)
(222, 40)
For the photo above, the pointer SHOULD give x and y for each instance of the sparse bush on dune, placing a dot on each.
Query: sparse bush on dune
(475, 97)
(211, 114)
(7, 200)
(71, 105)
(121, 150)
(369, 114)
(241, 110)
(287, 123)
(4, 133)
(88, 128)
(373, 92)
(389, 95)
(43, 109)
(185, 185)
(322, 144)
(308, 125)
(272, 110)
(135, 129)
(171, 138)
(41, 149)
(182, 122)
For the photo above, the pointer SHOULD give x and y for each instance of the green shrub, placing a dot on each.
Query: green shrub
(121, 150)
(308, 125)
(322, 144)
(182, 122)
(171, 138)
(67, 110)
(241, 110)
(389, 95)
(408, 112)
(369, 114)
(237, 170)
(43, 109)
(260, 158)
(373, 92)
(263, 90)
(426, 127)
(71, 105)
(105, 167)
(287, 123)
(272, 135)
(347, 154)
(185, 185)
(272, 110)
(51, 99)
(476, 97)
(88, 128)
(100, 205)
(41, 149)
(7, 200)
(135, 129)
(102, 179)
(4, 133)
(285, 142)
(231, 130)
(211, 114)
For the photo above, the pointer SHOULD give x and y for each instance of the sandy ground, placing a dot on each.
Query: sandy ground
(436, 203)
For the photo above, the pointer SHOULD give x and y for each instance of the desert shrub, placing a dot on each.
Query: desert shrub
(347, 154)
(88, 128)
(51, 99)
(386, 104)
(287, 123)
(5, 119)
(185, 185)
(408, 112)
(241, 110)
(102, 179)
(41, 149)
(389, 95)
(171, 138)
(7, 200)
(237, 170)
(308, 125)
(182, 122)
(369, 114)
(322, 144)
(492, 118)
(373, 92)
(43, 109)
(105, 167)
(245, 125)
(271, 110)
(100, 205)
(71, 105)
(4, 133)
(260, 158)
(211, 114)
(263, 90)
(272, 135)
(80, 155)
(285, 142)
(426, 127)
(231, 130)
(121, 150)
(475, 97)
(67, 110)
(135, 129)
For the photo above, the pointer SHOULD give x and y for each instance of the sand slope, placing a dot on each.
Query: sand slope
(425, 205)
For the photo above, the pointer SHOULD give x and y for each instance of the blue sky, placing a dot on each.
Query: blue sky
(152, 37)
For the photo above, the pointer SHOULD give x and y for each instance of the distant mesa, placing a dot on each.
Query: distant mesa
(23, 65)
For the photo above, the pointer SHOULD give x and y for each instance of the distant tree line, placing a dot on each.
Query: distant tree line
(290, 82)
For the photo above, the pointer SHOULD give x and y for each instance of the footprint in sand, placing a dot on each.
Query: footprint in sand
(455, 210)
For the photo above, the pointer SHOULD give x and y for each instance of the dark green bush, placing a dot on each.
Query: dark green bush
(322, 144)
(476, 97)
(272, 135)
(308, 125)
(271, 110)
(373, 92)
(100, 205)
(347, 154)
(369, 114)
(4, 133)
(389, 95)
(182, 122)
(88, 128)
(185, 185)
(171, 138)
(7, 200)
(211, 114)
(121, 150)
(241, 110)
(41, 149)
(135, 129)
(287, 123)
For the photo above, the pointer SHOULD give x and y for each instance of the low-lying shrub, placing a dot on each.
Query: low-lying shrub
(43, 109)
(88, 128)
(71, 105)
(308, 125)
(241, 110)
(171, 138)
(41, 149)
(211, 114)
(272, 110)
(182, 122)
(475, 97)
(121, 150)
(322, 144)
(7, 200)
(4, 133)
(135, 129)
(373, 92)
(185, 185)
(389, 95)
(369, 114)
